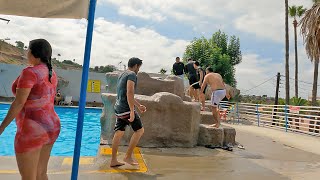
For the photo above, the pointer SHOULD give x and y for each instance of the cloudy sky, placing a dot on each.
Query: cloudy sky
(158, 30)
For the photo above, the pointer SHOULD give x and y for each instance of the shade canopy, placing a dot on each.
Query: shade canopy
(73, 9)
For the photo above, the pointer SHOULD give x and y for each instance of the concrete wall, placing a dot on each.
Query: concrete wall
(9, 72)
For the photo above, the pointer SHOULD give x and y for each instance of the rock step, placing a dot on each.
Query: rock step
(216, 136)
(206, 118)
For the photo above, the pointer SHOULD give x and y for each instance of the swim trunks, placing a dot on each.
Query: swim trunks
(123, 121)
(192, 79)
(217, 96)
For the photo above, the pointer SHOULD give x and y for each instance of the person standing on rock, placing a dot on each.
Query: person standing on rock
(201, 74)
(192, 76)
(126, 114)
(215, 81)
(178, 68)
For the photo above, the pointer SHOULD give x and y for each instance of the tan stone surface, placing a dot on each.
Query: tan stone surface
(210, 136)
(149, 86)
(168, 122)
(207, 118)
(229, 135)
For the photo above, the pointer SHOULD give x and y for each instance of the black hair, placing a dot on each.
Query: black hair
(134, 61)
(41, 48)
(177, 58)
(209, 69)
(189, 59)
(197, 63)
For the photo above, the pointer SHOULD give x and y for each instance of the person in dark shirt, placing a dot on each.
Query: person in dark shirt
(197, 86)
(178, 68)
(192, 76)
(126, 114)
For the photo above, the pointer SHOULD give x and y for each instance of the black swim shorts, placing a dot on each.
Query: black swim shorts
(123, 122)
(192, 79)
(196, 85)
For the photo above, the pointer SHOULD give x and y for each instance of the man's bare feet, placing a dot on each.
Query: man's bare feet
(130, 161)
(116, 164)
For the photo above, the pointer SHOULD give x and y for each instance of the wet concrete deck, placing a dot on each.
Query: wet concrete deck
(265, 157)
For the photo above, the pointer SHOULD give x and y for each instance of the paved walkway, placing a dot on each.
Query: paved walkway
(300, 141)
(268, 154)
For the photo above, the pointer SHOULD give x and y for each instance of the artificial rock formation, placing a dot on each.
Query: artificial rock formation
(214, 136)
(149, 86)
(168, 122)
(207, 118)
(221, 136)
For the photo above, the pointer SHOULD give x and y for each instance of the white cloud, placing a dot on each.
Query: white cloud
(255, 70)
(264, 19)
(139, 13)
(112, 42)
(188, 11)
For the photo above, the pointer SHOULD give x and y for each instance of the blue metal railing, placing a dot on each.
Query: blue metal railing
(297, 119)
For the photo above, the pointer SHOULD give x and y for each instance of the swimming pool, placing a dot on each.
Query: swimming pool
(64, 145)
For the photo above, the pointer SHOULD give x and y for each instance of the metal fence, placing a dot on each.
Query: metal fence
(298, 119)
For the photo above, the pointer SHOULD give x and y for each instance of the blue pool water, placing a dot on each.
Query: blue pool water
(64, 145)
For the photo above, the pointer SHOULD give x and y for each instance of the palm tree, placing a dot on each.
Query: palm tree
(287, 53)
(295, 12)
(310, 30)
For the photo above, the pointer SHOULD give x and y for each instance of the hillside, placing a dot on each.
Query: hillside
(10, 54)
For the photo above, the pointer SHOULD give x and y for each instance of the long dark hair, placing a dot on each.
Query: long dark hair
(41, 48)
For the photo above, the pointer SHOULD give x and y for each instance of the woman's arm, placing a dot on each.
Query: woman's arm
(17, 105)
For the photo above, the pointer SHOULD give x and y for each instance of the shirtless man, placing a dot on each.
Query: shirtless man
(218, 92)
